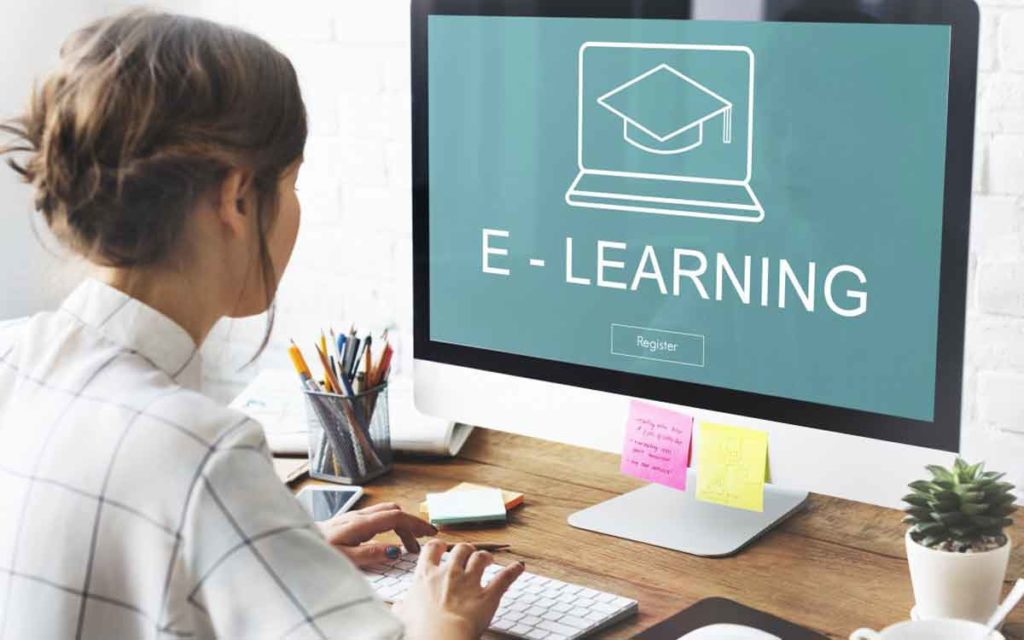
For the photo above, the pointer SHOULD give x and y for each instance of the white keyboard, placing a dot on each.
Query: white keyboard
(534, 607)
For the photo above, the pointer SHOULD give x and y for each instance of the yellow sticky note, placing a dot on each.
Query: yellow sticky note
(732, 464)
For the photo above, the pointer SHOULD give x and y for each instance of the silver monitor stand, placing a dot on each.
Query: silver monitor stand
(676, 520)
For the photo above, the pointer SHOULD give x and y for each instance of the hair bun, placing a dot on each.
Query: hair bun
(145, 113)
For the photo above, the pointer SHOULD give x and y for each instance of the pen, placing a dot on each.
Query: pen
(350, 349)
(335, 343)
(353, 358)
(481, 546)
(342, 345)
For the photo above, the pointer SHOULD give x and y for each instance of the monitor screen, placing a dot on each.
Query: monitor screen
(744, 212)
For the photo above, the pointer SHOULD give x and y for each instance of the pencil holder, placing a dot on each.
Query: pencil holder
(349, 436)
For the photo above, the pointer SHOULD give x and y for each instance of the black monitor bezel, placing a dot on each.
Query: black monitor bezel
(943, 433)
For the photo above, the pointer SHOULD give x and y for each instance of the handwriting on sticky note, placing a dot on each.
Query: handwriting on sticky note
(731, 466)
(657, 445)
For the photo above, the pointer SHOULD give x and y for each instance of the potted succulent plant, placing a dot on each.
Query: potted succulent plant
(957, 544)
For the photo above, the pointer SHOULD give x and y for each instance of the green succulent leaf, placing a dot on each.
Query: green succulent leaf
(961, 505)
(973, 509)
(929, 527)
(987, 522)
(916, 500)
(1001, 487)
(950, 518)
(939, 473)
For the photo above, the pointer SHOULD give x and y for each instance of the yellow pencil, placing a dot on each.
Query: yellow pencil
(299, 362)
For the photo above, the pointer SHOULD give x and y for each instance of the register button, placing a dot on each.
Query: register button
(658, 344)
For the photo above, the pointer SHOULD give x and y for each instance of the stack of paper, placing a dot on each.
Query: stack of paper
(512, 498)
(463, 507)
(275, 400)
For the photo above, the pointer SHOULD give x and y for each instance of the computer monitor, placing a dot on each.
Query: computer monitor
(755, 211)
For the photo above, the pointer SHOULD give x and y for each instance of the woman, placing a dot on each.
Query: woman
(165, 151)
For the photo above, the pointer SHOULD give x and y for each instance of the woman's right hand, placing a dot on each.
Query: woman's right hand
(447, 602)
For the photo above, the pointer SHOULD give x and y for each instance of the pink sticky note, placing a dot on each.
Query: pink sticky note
(657, 445)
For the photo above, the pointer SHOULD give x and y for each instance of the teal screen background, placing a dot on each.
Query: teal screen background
(848, 163)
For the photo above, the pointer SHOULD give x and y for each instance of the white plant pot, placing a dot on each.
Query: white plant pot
(964, 586)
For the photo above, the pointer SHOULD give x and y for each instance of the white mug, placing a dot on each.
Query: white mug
(927, 630)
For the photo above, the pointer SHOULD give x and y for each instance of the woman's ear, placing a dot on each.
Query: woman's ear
(234, 209)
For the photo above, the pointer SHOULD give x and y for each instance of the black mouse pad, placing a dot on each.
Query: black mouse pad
(722, 610)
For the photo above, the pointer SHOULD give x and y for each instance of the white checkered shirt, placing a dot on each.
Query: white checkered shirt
(132, 506)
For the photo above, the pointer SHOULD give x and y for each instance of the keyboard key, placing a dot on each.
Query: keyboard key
(556, 627)
(573, 621)
(621, 602)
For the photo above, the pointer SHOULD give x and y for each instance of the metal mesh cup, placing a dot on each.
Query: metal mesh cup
(349, 437)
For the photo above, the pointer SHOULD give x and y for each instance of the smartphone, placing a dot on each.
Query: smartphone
(323, 503)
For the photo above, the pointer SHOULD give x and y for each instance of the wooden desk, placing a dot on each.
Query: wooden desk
(836, 566)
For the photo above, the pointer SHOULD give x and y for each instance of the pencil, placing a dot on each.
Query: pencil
(368, 361)
(299, 362)
(385, 365)
(331, 380)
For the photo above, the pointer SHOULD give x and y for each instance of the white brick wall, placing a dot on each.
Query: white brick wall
(353, 261)
(994, 367)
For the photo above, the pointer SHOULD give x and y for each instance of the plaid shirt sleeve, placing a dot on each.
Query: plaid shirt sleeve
(260, 567)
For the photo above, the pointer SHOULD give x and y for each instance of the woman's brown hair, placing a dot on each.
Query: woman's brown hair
(145, 113)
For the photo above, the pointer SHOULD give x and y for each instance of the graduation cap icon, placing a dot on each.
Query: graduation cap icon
(664, 111)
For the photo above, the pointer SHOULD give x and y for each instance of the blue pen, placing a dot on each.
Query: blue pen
(341, 353)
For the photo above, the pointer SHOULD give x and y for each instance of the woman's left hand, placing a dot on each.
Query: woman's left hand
(350, 532)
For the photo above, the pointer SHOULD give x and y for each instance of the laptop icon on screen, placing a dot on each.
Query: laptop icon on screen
(666, 129)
